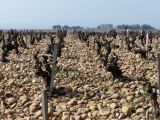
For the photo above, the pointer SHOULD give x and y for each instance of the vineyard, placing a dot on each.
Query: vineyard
(79, 75)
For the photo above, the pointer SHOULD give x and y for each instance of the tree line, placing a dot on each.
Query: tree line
(66, 27)
(110, 26)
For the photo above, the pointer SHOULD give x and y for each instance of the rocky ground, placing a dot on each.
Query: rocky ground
(91, 92)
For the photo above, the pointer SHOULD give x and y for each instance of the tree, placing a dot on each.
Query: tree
(135, 27)
(147, 27)
(57, 27)
(105, 26)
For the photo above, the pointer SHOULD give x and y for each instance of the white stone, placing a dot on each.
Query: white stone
(11, 100)
(113, 105)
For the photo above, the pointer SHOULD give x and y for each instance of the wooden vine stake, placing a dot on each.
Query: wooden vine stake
(158, 55)
(147, 41)
(127, 33)
(44, 105)
(53, 66)
(157, 42)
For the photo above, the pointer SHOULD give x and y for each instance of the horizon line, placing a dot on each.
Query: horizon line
(7, 27)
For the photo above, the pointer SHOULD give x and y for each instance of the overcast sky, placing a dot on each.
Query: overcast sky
(86, 13)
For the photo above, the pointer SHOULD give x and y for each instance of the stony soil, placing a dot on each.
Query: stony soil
(91, 92)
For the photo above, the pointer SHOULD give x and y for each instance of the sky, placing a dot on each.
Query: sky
(43, 14)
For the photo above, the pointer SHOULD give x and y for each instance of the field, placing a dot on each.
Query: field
(99, 75)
